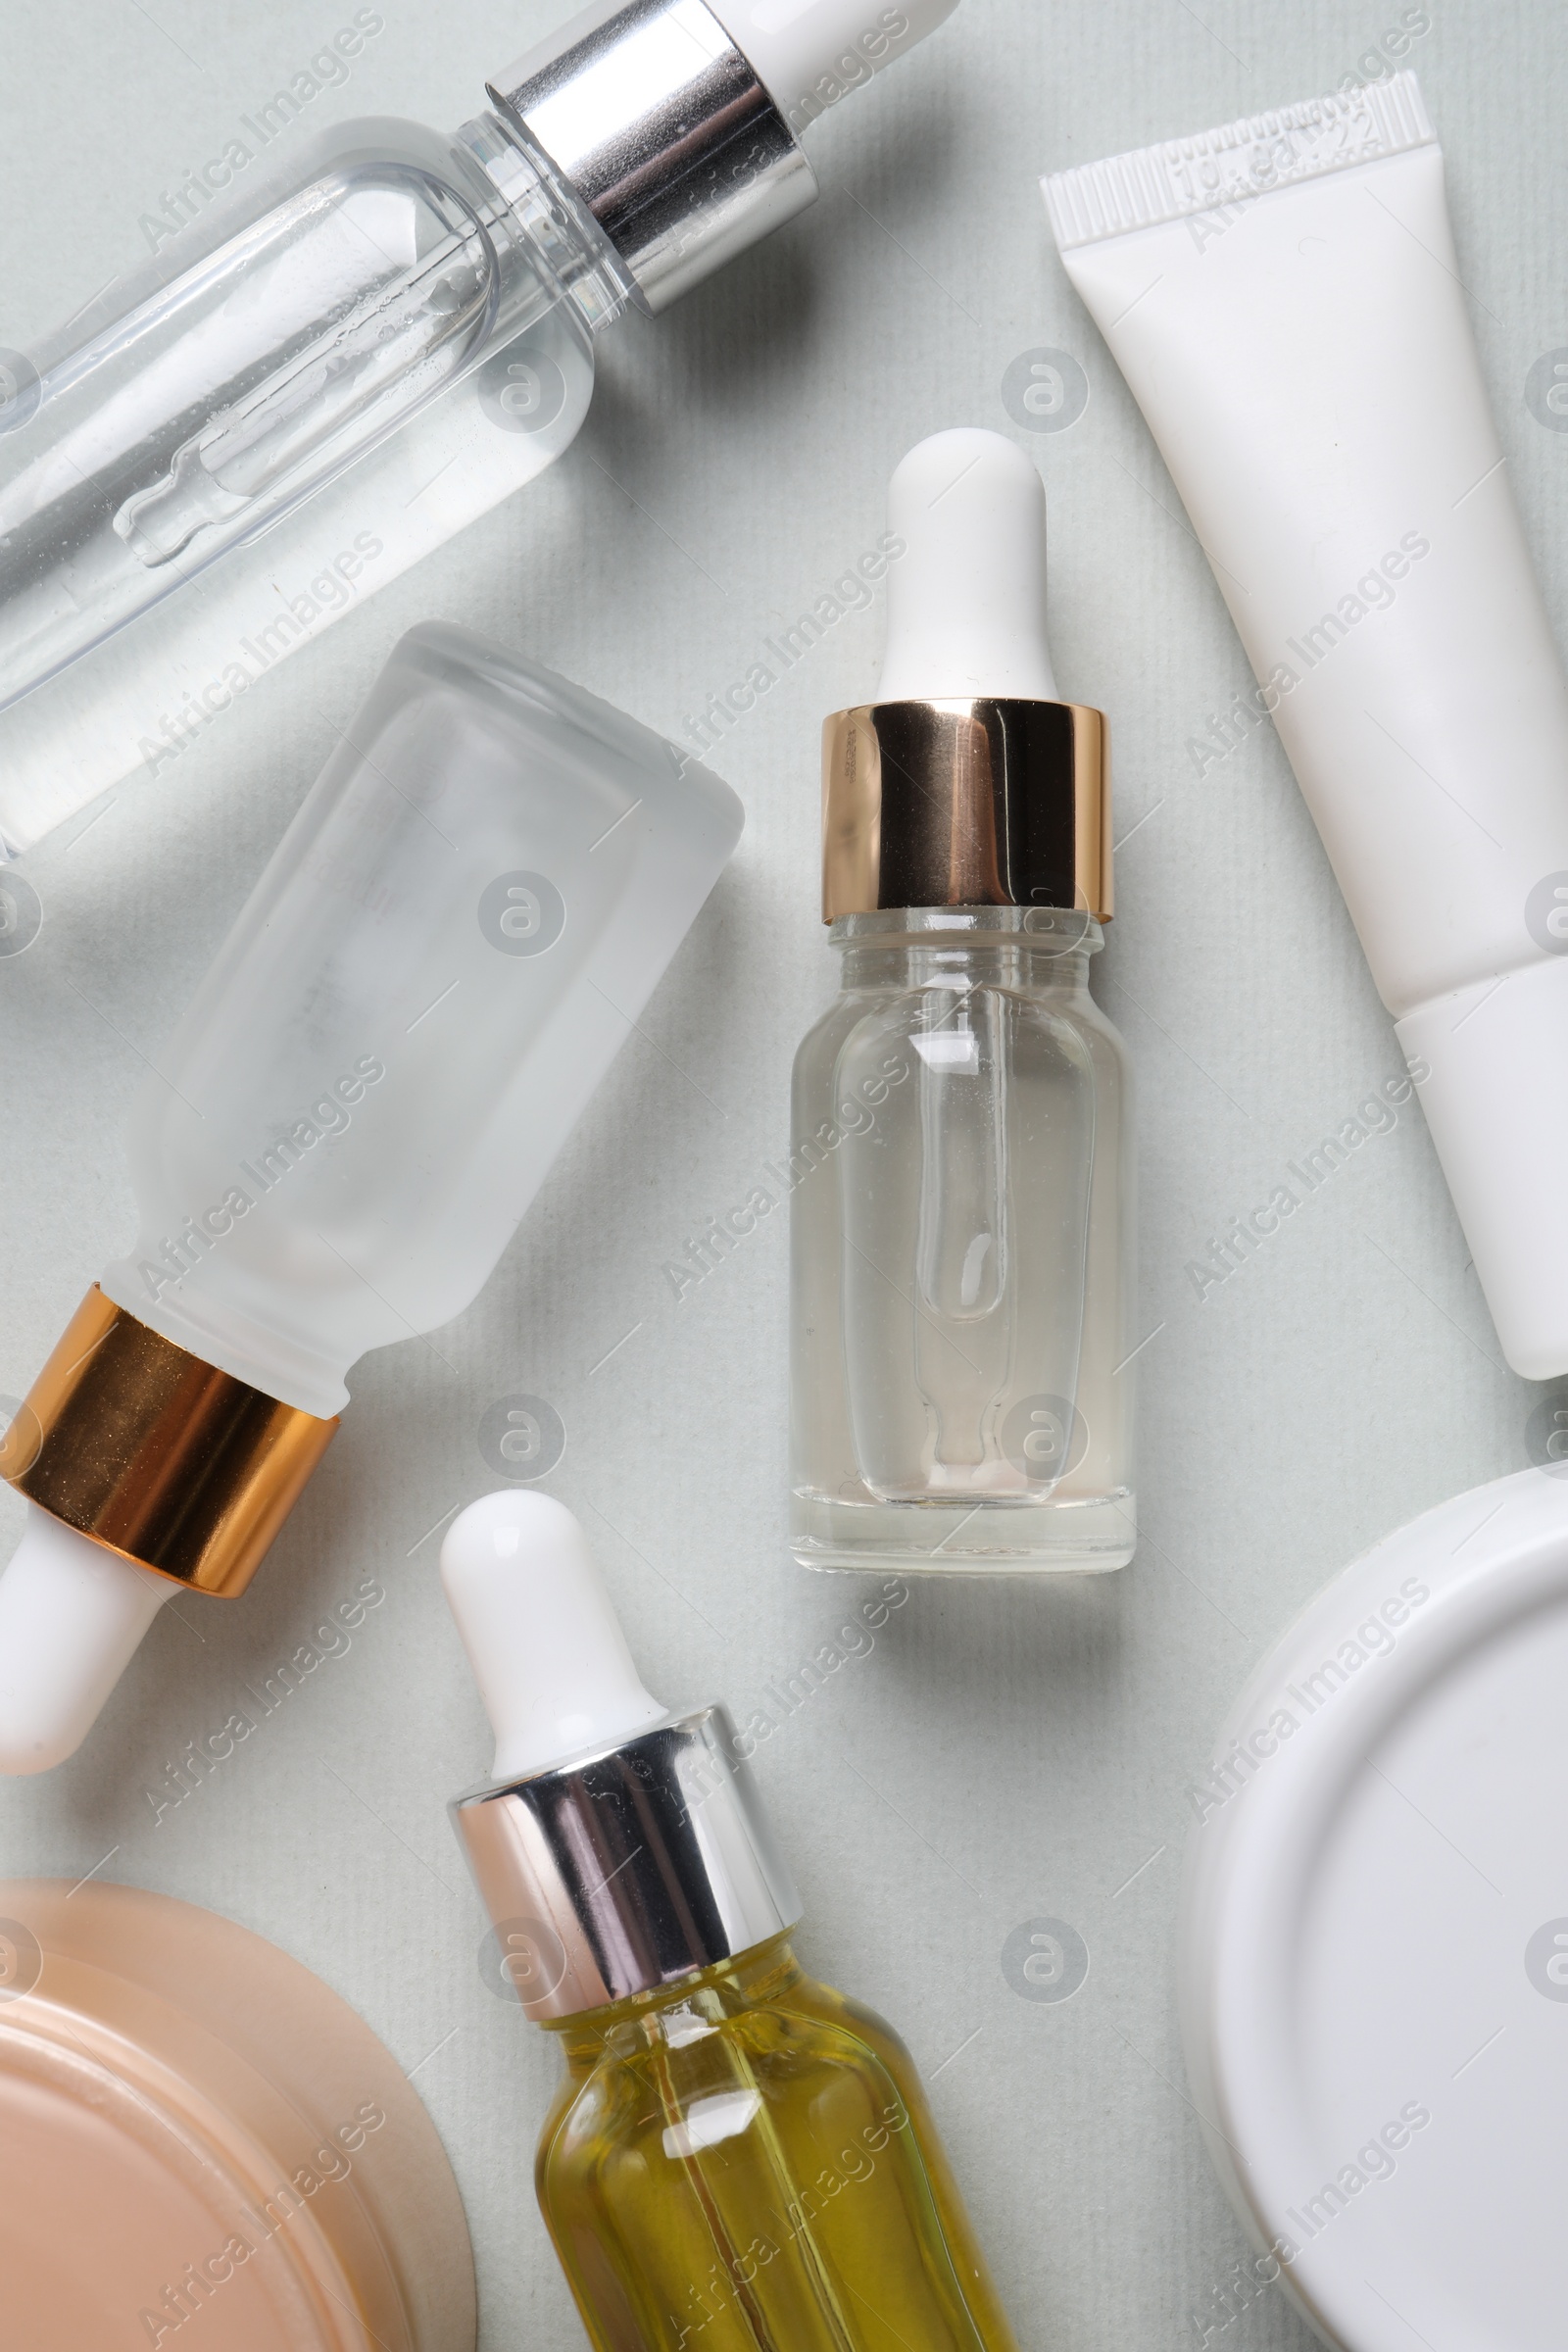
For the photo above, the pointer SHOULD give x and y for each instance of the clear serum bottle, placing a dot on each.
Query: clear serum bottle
(961, 1230)
(738, 2158)
(358, 360)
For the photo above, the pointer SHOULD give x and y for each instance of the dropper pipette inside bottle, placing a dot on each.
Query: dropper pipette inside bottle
(960, 1262)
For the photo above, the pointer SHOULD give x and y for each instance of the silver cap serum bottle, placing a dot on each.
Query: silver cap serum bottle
(738, 2158)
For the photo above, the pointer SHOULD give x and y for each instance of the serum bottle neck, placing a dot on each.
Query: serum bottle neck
(1033, 947)
(538, 209)
(677, 2014)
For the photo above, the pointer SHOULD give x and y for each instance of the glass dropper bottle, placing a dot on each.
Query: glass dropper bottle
(452, 939)
(737, 2157)
(617, 165)
(961, 1233)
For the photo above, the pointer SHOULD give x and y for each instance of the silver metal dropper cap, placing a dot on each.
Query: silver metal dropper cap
(665, 134)
(621, 1872)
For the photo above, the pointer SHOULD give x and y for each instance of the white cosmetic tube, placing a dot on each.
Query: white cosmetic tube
(1284, 298)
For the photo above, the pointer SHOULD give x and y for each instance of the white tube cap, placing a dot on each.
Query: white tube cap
(541, 1632)
(811, 53)
(1495, 1096)
(967, 599)
(72, 1616)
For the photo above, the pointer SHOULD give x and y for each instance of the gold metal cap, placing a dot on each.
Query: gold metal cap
(977, 804)
(157, 1455)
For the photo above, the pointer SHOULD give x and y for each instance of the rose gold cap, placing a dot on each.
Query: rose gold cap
(158, 1456)
(989, 803)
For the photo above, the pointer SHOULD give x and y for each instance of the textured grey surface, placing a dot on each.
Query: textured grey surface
(1000, 1755)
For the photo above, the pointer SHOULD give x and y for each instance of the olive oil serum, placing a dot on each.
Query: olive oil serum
(737, 2157)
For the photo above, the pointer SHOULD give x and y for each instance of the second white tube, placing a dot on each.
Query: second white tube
(1284, 298)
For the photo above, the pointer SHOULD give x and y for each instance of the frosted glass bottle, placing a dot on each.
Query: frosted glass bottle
(737, 2157)
(364, 355)
(453, 939)
(961, 1169)
(450, 944)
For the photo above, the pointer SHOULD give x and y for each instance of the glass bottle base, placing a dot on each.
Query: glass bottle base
(959, 1538)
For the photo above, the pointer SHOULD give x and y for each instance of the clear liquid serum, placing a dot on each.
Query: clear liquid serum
(961, 1230)
(738, 2158)
(365, 352)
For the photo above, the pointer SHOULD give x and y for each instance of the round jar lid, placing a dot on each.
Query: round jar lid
(200, 2143)
(118, 2227)
(1374, 1962)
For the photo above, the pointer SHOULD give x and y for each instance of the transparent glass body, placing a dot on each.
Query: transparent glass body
(962, 1240)
(331, 316)
(444, 955)
(747, 2161)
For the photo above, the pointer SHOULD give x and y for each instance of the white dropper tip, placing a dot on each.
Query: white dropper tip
(967, 599)
(541, 1632)
(72, 1616)
(813, 53)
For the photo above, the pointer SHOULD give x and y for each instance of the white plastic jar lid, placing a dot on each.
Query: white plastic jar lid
(1374, 1959)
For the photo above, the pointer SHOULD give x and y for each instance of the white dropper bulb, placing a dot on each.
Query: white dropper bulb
(967, 599)
(541, 1632)
(72, 1616)
(811, 53)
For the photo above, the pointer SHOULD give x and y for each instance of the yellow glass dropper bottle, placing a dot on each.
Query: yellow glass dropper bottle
(738, 2158)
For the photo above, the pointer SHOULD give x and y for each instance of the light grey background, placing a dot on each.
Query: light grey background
(1005, 1753)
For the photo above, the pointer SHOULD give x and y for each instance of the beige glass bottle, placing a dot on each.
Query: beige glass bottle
(738, 2158)
(962, 1160)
